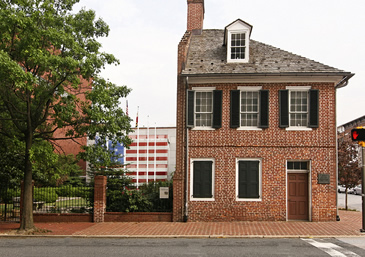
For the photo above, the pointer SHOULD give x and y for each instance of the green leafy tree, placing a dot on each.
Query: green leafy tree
(349, 171)
(12, 162)
(50, 64)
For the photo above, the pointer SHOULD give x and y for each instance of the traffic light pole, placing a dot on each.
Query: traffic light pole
(363, 189)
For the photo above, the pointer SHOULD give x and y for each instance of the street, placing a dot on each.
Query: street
(354, 201)
(89, 247)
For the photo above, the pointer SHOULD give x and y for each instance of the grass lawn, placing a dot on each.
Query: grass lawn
(79, 202)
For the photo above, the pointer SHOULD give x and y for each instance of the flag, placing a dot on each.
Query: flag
(127, 109)
(137, 117)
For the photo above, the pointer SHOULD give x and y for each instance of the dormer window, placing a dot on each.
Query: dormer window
(238, 46)
(237, 39)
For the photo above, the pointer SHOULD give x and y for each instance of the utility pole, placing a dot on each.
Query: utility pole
(362, 188)
(358, 135)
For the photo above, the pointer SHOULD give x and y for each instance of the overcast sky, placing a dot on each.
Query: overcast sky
(144, 35)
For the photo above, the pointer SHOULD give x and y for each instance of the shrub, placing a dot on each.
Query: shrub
(46, 194)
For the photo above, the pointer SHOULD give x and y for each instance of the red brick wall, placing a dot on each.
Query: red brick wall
(274, 146)
(138, 217)
(62, 217)
(195, 14)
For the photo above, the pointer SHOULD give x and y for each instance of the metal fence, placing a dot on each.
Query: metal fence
(63, 199)
(9, 204)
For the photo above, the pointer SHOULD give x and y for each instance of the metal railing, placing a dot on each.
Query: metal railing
(63, 199)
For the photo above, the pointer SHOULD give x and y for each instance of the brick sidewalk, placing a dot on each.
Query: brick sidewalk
(350, 225)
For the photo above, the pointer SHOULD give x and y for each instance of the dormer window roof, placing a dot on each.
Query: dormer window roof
(237, 39)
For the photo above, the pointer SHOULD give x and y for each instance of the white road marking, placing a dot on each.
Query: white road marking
(331, 249)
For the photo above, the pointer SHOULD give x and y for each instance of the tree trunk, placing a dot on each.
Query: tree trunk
(27, 214)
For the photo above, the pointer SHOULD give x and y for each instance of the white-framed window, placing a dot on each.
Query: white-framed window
(248, 179)
(249, 107)
(237, 40)
(202, 179)
(204, 108)
(237, 49)
(297, 166)
(299, 108)
(238, 46)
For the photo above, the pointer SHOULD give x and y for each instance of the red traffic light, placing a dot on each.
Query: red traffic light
(358, 134)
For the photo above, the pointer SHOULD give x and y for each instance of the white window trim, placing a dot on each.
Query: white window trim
(309, 172)
(260, 180)
(201, 89)
(247, 46)
(298, 88)
(192, 176)
(247, 89)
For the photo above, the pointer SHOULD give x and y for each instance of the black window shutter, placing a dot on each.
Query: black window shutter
(313, 108)
(202, 179)
(190, 109)
(235, 108)
(264, 109)
(283, 108)
(248, 179)
(217, 109)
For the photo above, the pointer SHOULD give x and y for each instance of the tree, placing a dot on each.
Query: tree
(50, 64)
(349, 171)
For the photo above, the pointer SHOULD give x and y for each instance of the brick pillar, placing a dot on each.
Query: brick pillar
(99, 198)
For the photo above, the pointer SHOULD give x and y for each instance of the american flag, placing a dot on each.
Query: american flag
(147, 158)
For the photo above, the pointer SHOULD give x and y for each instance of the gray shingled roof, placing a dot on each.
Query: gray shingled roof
(207, 55)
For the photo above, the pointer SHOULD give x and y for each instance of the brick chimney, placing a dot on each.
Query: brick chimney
(195, 15)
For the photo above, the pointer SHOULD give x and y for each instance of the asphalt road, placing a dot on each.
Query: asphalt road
(354, 201)
(90, 247)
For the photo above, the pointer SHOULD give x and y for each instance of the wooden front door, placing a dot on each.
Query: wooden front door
(298, 198)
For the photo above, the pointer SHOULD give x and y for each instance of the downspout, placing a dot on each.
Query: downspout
(186, 154)
(337, 214)
(342, 83)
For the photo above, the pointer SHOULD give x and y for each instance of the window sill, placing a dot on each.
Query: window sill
(202, 199)
(203, 128)
(248, 200)
(249, 128)
(299, 129)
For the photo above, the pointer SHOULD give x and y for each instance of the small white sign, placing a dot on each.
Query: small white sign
(164, 193)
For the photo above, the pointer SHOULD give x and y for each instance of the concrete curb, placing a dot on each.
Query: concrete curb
(181, 236)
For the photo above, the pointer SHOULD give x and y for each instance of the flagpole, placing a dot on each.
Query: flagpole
(137, 148)
(148, 140)
(155, 166)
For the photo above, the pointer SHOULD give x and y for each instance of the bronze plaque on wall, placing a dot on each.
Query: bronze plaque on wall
(323, 178)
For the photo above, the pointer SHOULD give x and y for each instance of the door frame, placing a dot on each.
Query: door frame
(309, 173)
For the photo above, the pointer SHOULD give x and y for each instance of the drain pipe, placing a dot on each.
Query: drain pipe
(185, 219)
(337, 214)
(342, 83)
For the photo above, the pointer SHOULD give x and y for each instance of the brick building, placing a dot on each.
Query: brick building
(256, 128)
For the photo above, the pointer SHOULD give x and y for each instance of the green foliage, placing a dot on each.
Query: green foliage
(70, 191)
(50, 64)
(12, 161)
(151, 191)
(50, 168)
(123, 197)
(45, 194)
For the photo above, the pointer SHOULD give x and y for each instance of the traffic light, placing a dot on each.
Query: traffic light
(358, 134)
